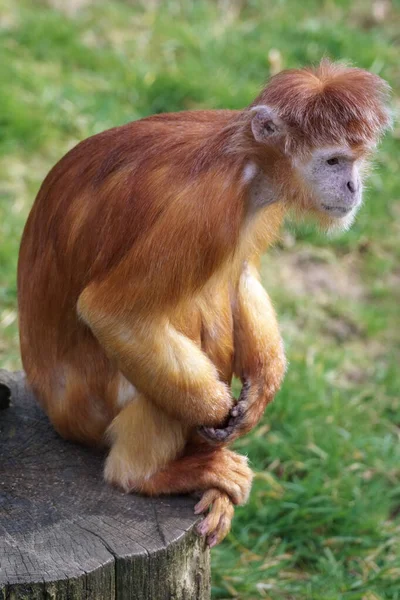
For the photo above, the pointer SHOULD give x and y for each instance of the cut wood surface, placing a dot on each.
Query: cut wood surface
(66, 535)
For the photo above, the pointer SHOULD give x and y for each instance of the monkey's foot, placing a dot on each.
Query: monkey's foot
(217, 524)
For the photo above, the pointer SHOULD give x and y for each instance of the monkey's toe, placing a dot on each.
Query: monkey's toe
(217, 524)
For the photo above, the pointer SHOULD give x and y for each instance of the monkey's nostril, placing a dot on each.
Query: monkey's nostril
(351, 186)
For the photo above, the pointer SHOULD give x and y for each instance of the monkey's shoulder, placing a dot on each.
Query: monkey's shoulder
(211, 117)
(139, 143)
(167, 123)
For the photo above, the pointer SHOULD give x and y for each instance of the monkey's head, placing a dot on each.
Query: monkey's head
(326, 122)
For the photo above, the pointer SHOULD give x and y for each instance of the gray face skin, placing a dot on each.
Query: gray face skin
(334, 178)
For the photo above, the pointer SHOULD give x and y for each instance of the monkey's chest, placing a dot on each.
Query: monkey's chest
(208, 322)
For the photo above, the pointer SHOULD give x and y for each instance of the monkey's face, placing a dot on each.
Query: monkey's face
(333, 177)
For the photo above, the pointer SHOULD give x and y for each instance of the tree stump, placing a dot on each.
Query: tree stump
(66, 535)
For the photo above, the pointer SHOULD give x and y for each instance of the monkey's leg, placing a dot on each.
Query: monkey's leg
(149, 454)
(259, 358)
(158, 360)
(75, 404)
(143, 440)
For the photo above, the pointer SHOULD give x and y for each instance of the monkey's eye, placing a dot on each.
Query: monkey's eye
(333, 161)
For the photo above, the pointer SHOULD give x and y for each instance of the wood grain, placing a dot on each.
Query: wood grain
(66, 535)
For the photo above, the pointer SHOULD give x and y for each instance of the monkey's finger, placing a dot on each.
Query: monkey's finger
(217, 523)
(234, 428)
(242, 406)
(233, 432)
(214, 435)
(224, 434)
(223, 527)
(239, 409)
(206, 501)
(222, 530)
(210, 522)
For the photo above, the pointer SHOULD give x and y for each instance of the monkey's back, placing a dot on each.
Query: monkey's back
(92, 208)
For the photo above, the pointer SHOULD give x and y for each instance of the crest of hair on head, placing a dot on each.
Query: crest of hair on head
(327, 105)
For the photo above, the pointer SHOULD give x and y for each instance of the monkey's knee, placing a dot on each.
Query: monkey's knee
(76, 412)
(143, 440)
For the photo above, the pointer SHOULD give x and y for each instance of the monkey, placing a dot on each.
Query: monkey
(138, 276)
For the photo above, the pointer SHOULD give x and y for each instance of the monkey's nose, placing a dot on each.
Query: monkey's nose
(352, 186)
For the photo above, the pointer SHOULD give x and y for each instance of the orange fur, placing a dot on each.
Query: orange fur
(332, 104)
(138, 294)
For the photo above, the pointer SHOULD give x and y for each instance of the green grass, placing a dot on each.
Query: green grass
(322, 521)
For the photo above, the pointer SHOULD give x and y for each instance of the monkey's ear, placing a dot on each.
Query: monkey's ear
(266, 124)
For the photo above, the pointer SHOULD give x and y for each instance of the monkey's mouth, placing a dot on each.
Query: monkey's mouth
(337, 211)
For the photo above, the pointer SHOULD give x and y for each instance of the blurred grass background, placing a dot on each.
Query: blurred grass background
(322, 521)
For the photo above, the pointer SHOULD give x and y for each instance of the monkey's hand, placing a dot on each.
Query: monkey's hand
(243, 416)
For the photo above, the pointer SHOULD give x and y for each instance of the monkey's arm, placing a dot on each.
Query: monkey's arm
(259, 358)
(158, 360)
